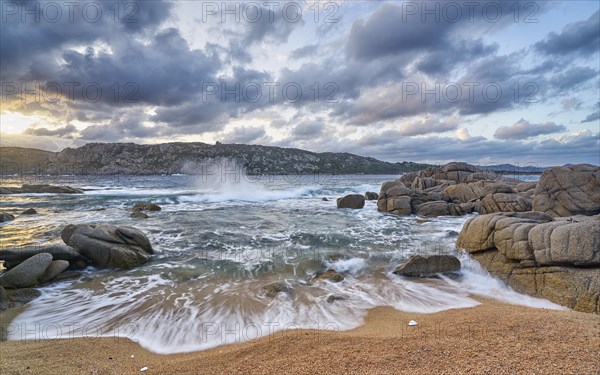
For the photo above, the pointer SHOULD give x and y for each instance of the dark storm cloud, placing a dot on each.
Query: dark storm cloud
(30, 46)
(580, 37)
(64, 132)
(523, 129)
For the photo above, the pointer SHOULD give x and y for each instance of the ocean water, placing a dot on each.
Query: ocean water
(219, 240)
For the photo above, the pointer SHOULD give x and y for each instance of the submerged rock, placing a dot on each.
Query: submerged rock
(146, 207)
(27, 273)
(29, 211)
(19, 297)
(334, 297)
(138, 215)
(51, 189)
(273, 289)
(418, 266)
(351, 201)
(329, 275)
(108, 245)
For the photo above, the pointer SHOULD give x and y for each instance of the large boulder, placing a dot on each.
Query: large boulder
(351, 201)
(432, 209)
(418, 266)
(14, 256)
(55, 268)
(567, 243)
(399, 205)
(576, 288)
(108, 245)
(479, 233)
(51, 189)
(566, 191)
(461, 193)
(27, 273)
(503, 202)
(511, 237)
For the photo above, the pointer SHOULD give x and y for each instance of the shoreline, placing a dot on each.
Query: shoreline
(492, 337)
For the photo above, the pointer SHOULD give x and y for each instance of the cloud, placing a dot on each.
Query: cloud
(244, 134)
(305, 51)
(523, 129)
(64, 132)
(591, 117)
(308, 129)
(428, 126)
(580, 38)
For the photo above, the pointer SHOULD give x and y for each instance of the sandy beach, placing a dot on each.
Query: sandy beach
(492, 338)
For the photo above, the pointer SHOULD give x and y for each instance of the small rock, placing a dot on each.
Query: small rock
(146, 207)
(138, 215)
(144, 369)
(330, 275)
(4, 216)
(325, 199)
(371, 196)
(29, 211)
(412, 323)
(332, 298)
(271, 290)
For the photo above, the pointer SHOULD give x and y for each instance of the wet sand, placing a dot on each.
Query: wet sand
(492, 338)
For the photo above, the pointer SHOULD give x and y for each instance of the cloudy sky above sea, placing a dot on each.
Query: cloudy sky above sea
(481, 81)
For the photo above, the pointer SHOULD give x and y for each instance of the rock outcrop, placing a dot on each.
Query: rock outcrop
(108, 245)
(371, 196)
(553, 258)
(418, 266)
(351, 201)
(567, 191)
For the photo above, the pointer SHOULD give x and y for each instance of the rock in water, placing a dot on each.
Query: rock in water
(29, 211)
(418, 266)
(27, 273)
(146, 207)
(108, 245)
(138, 215)
(54, 269)
(273, 289)
(14, 256)
(371, 196)
(330, 275)
(6, 217)
(351, 201)
(567, 191)
(50, 189)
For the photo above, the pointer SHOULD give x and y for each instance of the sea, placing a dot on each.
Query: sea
(219, 240)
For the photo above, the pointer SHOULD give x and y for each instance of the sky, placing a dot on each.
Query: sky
(481, 81)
